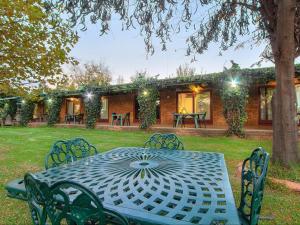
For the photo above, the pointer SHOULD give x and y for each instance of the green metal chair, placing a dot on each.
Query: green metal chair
(80, 148)
(164, 141)
(36, 199)
(61, 152)
(254, 171)
(72, 202)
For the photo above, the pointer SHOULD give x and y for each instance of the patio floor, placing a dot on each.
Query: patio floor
(262, 132)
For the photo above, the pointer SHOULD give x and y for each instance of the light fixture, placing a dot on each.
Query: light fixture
(89, 95)
(23, 101)
(233, 83)
(50, 100)
(145, 93)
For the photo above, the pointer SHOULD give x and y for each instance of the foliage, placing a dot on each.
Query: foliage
(54, 103)
(34, 43)
(26, 112)
(91, 74)
(147, 99)
(92, 107)
(234, 89)
(185, 71)
(8, 107)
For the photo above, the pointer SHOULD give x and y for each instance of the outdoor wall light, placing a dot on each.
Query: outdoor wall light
(145, 93)
(23, 101)
(233, 83)
(50, 100)
(89, 95)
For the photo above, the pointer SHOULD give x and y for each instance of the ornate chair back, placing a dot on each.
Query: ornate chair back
(254, 171)
(59, 154)
(164, 141)
(74, 203)
(80, 148)
(36, 199)
(64, 152)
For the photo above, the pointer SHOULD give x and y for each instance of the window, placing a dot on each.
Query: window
(194, 103)
(298, 97)
(73, 106)
(104, 108)
(266, 103)
(185, 103)
(202, 103)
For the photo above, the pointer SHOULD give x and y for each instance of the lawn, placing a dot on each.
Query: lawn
(24, 149)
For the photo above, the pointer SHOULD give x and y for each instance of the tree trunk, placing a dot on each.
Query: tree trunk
(285, 131)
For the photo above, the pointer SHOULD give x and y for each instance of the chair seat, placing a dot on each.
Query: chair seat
(16, 189)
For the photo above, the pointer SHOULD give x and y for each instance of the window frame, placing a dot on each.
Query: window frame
(104, 120)
(210, 121)
(261, 121)
(80, 105)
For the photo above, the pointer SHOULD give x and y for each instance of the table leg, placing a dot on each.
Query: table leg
(177, 121)
(196, 121)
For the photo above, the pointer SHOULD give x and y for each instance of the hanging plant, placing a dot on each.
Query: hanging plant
(147, 98)
(54, 103)
(26, 112)
(92, 107)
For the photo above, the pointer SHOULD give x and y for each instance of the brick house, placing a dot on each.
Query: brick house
(184, 96)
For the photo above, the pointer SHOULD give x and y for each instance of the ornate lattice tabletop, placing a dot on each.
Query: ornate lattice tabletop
(156, 186)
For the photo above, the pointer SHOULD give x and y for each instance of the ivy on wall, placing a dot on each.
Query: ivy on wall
(26, 112)
(147, 97)
(92, 103)
(8, 107)
(234, 90)
(54, 103)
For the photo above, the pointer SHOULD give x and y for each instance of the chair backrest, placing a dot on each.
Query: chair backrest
(203, 116)
(164, 141)
(64, 152)
(254, 171)
(59, 154)
(78, 205)
(35, 192)
(80, 148)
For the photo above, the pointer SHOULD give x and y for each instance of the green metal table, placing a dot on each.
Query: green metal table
(181, 116)
(156, 186)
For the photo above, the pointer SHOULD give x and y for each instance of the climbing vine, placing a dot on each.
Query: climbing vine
(147, 99)
(234, 91)
(92, 101)
(54, 103)
(8, 107)
(26, 112)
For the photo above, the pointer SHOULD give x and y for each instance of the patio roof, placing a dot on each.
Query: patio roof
(258, 76)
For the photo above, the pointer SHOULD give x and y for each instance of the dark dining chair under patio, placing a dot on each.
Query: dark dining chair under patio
(61, 152)
(164, 141)
(67, 201)
(253, 177)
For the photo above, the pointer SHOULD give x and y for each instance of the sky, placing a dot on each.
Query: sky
(124, 53)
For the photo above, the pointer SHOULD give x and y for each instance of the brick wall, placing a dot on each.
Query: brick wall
(167, 106)
(122, 103)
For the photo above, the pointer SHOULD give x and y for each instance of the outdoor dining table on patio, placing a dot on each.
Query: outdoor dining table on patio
(180, 117)
(156, 186)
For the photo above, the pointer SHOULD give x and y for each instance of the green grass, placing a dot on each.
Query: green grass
(24, 149)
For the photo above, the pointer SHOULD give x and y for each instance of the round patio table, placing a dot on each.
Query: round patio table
(156, 186)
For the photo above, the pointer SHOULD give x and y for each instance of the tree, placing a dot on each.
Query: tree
(34, 43)
(185, 71)
(274, 21)
(91, 74)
